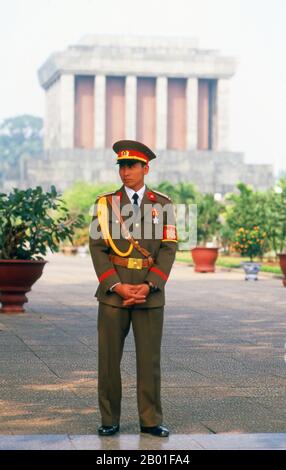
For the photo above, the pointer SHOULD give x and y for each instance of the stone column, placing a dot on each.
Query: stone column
(67, 111)
(192, 113)
(99, 110)
(222, 114)
(52, 121)
(130, 106)
(161, 112)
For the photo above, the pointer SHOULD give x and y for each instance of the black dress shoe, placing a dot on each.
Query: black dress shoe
(108, 430)
(159, 431)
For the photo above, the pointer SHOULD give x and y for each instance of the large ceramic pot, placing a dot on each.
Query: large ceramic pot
(16, 279)
(282, 261)
(204, 259)
(251, 270)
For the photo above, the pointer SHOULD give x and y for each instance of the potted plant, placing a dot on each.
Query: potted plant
(31, 223)
(250, 243)
(248, 220)
(208, 226)
(277, 223)
(80, 241)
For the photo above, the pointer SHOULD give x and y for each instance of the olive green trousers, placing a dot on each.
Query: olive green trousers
(113, 326)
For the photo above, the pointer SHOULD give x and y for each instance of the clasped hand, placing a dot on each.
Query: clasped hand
(132, 294)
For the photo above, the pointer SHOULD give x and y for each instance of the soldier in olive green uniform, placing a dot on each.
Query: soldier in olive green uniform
(132, 273)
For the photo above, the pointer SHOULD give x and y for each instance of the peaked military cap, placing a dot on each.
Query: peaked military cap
(132, 150)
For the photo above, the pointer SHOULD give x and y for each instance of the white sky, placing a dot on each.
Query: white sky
(252, 30)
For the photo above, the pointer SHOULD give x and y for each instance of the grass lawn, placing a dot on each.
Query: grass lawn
(231, 262)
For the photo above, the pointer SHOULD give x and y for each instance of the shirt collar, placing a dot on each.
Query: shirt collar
(130, 192)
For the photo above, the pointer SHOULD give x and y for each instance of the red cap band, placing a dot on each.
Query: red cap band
(132, 155)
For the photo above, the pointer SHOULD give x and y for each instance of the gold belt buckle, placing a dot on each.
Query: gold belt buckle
(134, 263)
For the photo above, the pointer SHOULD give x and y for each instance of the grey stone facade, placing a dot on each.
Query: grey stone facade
(216, 172)
(214, 169)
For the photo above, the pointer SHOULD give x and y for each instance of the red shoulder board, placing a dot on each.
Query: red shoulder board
(151, 196)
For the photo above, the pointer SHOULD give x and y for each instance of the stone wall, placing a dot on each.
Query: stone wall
(209, 171)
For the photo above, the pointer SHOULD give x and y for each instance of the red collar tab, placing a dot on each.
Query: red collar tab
(151, 196)
(119, 194)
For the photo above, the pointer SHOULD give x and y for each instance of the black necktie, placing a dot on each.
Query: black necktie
(135, 198)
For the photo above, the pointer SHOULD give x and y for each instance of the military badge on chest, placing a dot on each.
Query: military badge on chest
(155, 215)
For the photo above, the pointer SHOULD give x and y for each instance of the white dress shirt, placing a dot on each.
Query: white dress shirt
(130, 193)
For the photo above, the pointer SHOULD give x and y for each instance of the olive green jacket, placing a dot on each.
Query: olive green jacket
(152, 234)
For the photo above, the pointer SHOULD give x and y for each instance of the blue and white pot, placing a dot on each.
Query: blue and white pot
(251, 270)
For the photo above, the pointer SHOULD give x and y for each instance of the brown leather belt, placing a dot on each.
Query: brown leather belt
(131, 263)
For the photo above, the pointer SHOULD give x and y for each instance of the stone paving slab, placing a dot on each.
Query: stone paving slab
(223, 355)
(36, 442)
(266, 441)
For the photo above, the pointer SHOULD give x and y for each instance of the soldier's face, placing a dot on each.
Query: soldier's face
(132, 174)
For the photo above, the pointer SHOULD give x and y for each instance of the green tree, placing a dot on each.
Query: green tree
(80, 197)
(208, 217)
(184, 193)
(246, 210)
(20, 135)
(250, 242)
(167, 188)
(276, 216)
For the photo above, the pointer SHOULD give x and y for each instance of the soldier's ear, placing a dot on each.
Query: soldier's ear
(146, 169)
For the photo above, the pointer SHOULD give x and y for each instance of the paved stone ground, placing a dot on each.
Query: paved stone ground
(223, 356)
(265, 441)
